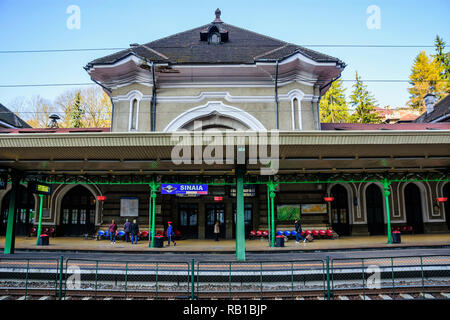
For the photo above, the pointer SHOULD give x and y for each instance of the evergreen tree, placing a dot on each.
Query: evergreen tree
(333, 107)
(364, 104)
(426, 77)
(76, 111)
(442, 57)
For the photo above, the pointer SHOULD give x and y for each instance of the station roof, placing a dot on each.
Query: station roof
(150, 153)
(242, 47)
(191, 57)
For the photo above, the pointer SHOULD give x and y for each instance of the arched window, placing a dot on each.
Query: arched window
(296, 116)
(133, 115)
(214, 36)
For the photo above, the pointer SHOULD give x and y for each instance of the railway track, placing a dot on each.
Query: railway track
(399, 293)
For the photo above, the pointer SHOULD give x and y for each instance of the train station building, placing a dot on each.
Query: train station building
(237, 112)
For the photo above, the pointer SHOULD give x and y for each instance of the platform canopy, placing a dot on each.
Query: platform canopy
(106, 153)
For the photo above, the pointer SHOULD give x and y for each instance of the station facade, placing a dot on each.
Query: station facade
(219, 79)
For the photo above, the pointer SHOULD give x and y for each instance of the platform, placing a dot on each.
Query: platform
(228, 246)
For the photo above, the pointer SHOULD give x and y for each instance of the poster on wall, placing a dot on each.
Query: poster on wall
(129, 207)
(286, 212)
(314, 208)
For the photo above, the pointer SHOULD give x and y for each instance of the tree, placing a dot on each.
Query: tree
(76, 111)
(96, 107)
(364, 104)
(333, 107)
(39, 111)
(442, 57)
(425, 78)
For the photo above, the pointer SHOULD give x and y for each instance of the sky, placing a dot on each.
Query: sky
(43, 24)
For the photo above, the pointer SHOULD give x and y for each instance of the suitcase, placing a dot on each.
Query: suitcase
(309, 238)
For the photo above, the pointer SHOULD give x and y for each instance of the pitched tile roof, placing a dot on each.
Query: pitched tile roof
(53, 130)
(242, 47)
(440, 109)
(384, 126)
(8, 117)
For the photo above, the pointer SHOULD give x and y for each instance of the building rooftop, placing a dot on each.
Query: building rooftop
(8, 118)
(385, 126)
(441, 110)
(324, 127)
(234, 45)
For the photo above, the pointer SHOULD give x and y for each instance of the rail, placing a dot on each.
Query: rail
(62, 278)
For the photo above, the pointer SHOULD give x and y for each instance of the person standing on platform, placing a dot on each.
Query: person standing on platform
(170, 234)
(112, 232)
(217, 230)
(298, 229)
(134, 229)
(126, 229)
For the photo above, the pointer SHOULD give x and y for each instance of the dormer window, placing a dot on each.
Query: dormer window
(215, 33)
(214, 36)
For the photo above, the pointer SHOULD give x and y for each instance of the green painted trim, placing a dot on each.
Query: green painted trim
(10, 228)
(245, 182)
(149, 218)
(240, 224)
(269, 225)
(41, 197)
(153, 188)
(387, 192)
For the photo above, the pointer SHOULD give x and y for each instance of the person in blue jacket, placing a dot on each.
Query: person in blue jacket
(170, 233)
(298, 229)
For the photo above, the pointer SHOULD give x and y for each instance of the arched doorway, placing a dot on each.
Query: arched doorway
(446, 193)
(77, 212)
(339, 210)
(413, 207)
(24, 211)
(374, 210)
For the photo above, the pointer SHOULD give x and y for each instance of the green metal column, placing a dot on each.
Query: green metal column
(240, 226)
(41, 197)
(150, 218)
(10, 238)
(269, 211)
(387, 192)
(272, 213)
(153, 188)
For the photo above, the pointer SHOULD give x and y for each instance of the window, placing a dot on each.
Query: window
(183, 218)
(74, 216)
(249, 191)
(296, 116)
(23, 215)
(215, 38)
(193, 220)
(83, 216)
(133, 115)
(65, 216)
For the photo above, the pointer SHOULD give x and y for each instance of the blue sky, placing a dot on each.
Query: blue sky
(41, 24)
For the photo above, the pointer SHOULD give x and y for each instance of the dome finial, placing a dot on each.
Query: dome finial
(218, 13)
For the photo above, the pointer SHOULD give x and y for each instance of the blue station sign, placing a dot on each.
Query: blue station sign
(184, 189)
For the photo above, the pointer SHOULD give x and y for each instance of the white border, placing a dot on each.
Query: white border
(214, 107)
(131, 96)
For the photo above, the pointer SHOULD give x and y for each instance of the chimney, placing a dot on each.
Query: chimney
(217, 13)
(430, 100)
